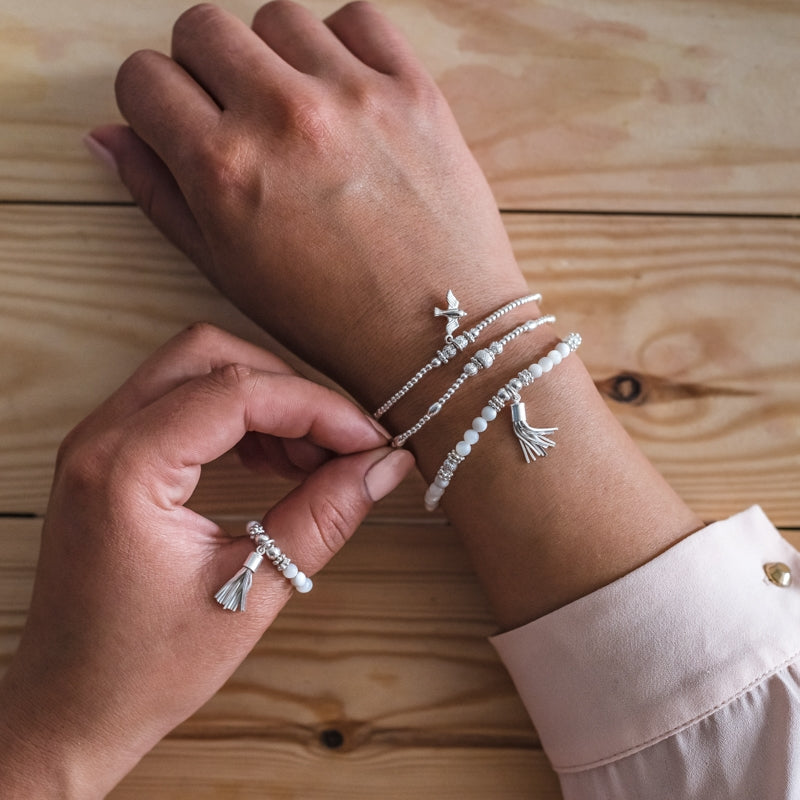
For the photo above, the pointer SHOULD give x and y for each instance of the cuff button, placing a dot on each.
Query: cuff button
(778, 573)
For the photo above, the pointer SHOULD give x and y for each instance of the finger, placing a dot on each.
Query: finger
(301, 39)
(195, 351)
(312, 523)
(373, 39)
(226, 57)
(166, 107)
(153, 189)
(164, 444)
(315, 520)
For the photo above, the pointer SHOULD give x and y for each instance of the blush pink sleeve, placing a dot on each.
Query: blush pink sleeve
(680, 680)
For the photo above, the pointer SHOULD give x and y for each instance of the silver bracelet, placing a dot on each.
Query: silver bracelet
(453, 344)
(483, 359)
(534, 441)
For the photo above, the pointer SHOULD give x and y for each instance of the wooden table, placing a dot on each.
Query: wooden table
(646, 158)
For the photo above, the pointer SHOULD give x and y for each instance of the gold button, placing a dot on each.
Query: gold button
(778, 573)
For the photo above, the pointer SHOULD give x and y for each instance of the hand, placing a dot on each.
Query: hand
(124, 639)
(315, 173)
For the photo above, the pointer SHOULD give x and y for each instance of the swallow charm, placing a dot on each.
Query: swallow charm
(452, 313)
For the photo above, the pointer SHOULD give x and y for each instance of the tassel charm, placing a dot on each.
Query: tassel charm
(233, 595)
(534, 441)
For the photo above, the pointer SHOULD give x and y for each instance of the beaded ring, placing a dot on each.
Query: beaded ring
(233, 595)
(534, 441)
(453, 344)
(483, 359)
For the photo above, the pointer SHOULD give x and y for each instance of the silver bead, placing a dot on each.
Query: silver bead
(450, 350)
(515, 384)
(436, 363)
(434, 409)
(470, 369)
(485, 358)
(573, 341)
(504, 395)
(460, 342)
(496, 348)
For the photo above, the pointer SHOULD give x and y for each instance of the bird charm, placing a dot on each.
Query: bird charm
(452, 313)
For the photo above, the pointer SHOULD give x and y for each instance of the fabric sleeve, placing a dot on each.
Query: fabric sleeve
(679, 680)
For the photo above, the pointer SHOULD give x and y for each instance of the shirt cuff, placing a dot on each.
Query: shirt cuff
(661, 648)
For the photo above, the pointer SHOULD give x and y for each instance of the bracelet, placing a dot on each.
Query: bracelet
(233, 595)
(453, 344)
(534, 441)
(483, 359)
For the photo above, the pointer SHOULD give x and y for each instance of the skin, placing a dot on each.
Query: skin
(313, 171)
(123, 608)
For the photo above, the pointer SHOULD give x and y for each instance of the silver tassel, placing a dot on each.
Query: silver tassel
(534, 441)
(233, 595)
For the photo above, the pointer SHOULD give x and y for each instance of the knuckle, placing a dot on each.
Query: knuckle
(276, 8)
(83, 465)
(231, 377)
(133, 72)
(311, 122)
(198, 15)
(334, 522)
(201, 337)
(230, 173)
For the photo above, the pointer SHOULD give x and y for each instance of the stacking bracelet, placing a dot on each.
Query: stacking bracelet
(453, 344)
(534, 441)
(483, 359)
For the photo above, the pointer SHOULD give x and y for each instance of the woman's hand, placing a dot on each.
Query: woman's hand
(124, 639)
(315, 173)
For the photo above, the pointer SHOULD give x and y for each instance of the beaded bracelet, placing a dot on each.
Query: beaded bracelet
(534, 441)
(483, 359)
(233, 595)
(453, 344)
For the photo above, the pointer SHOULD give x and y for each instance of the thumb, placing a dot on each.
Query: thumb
(314, 521)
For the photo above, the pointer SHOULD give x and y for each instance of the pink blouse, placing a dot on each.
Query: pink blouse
(679, 680)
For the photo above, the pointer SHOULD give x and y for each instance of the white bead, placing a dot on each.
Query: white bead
(488, 413)
(554, 356)
(535, 370)
(443, 482)
(479, 424)
(463, 448)
(563, 348)
(431, 505)
(290, 571)
(306, 586)
(471, 437)
(435, 492)
(546, 364)
(299, 579)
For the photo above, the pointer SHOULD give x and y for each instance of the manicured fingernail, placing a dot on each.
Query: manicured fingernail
(378, 427)
(388, 473)
(101, 153)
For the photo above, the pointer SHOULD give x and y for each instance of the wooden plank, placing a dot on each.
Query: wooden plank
(576, 104)
(202, 770)
(699, 314)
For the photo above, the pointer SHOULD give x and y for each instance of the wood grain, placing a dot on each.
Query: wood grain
(576, 104)
(178, 770)
(690, 329)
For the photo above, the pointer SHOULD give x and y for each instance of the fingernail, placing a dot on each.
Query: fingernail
(378, 427)
(100, 152)
(388, 473)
